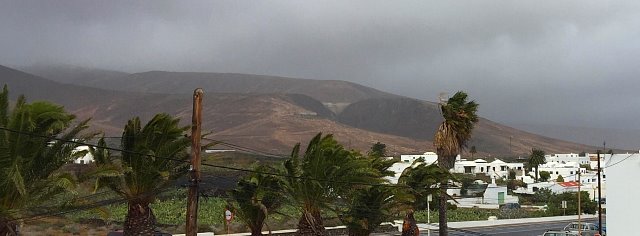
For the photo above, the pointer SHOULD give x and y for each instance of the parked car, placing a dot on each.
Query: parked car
(559, 233)
(510, 205)
(588, 229)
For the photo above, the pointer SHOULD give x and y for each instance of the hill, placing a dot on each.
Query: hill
(184, 82)
(273, 113)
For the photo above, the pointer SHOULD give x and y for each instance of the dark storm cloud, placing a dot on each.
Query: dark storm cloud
(557, 62)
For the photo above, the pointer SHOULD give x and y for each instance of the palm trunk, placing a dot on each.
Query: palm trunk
(7, 228)
(310, 224)
(359, 232)
(410, 226)
(442, 211)
(536, 173)
(139, 220)
(256, 231)
(256, 228)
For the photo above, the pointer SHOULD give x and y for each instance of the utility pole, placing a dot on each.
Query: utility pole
(599, 191)
(194, 171)
(579, 206)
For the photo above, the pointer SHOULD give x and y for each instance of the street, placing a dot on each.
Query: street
(529, 229)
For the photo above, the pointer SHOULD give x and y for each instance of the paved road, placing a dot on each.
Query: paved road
(530, 229)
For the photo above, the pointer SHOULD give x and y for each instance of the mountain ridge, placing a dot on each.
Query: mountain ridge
(276, 121)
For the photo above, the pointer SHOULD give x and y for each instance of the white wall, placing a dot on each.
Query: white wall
(622, 194)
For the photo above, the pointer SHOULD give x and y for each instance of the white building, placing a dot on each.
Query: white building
(428, 157)
(568, 170)
(570, 157)
(86, 158)
(622, 194)
(494, 169)
(557, 188)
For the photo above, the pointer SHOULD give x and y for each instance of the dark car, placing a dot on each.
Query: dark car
(509, 206)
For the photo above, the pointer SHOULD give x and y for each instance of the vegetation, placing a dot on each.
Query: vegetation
(536, 159)
(512, 174)
(560, 179)
(473, 151)
(367, 207)
(544, 176)
(514, 184)
(31, 156)
(256, 196)
(145, 167)
(554, 203)
(325, 172)
(450, 138)
(424, 180)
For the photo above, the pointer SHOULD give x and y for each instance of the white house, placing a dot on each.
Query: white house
(568, 170)
(397, 168)
(570, 157)
(86, 159)
(429, 157)
(557, 188)
(494, 169)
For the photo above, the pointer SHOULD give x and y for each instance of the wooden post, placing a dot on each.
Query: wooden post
(194, 171)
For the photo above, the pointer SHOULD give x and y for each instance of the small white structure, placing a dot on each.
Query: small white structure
(86, 159)
(497, 194)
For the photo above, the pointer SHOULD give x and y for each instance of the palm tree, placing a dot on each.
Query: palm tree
(422, 180)
(368, 206)
(450, 138)
(473, 151)
(33, 148)
(536, 159)
(257, 195)
(325, 172)
(148, 165)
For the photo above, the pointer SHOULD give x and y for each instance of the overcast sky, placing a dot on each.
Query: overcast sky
(542, 62)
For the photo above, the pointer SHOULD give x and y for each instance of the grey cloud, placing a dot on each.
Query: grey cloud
(524, 61)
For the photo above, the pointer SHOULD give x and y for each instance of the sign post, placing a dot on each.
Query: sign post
(429, 197)
(228, 216)
(564, 207)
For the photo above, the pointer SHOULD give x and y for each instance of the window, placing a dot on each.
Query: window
(467, 169)
(570, 172)
(481, 169)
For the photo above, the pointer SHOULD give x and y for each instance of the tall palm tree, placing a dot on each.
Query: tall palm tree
(33, 148)
(536, 159)
(257, 195)
(325, 172)
(451, 137)
(146, 167)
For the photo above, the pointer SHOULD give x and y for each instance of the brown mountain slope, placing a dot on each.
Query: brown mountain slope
(184, 82)
(68, 74)
(275, 122)
(419, 120)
